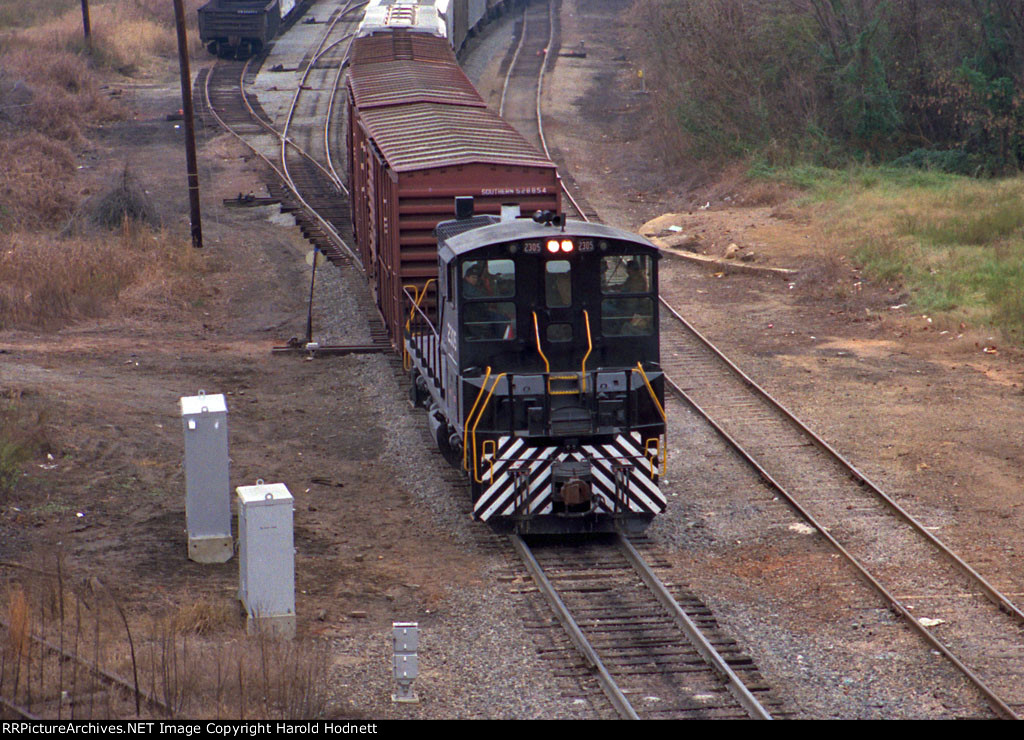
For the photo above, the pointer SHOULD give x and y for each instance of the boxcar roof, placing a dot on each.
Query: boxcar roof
(427, 135)
(408, 81)
(525, 228)
(391, 45)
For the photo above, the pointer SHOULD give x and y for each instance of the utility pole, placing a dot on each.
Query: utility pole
(190, 129)
(85, 25)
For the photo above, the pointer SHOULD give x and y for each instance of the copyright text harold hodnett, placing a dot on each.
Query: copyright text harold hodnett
(190, 729)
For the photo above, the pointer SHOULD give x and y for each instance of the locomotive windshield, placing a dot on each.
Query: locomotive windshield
(558, 283)
(628, 275)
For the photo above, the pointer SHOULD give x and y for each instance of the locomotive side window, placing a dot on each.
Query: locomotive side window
(485, 319)
(626, 273)
(558, 284)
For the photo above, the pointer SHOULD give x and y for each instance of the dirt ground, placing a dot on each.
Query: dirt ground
(920, 406)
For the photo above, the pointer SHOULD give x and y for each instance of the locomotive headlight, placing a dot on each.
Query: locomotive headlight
(553, 246)
(567, 246)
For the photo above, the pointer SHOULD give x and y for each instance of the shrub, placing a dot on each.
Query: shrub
(833, 81)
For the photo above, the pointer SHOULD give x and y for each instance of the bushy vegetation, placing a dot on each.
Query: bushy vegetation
(128, 36)
(903, 120)
(48, 280)
(934, 83)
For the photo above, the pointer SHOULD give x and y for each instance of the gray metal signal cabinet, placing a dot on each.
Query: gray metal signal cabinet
(204, 419)
(266, 558)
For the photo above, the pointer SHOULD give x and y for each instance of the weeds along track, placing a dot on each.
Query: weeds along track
(654, 651)
(59, 659)
(46, 679)
(977, 628)
(69, 652)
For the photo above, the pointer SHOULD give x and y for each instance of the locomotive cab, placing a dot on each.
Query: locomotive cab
(538, 357)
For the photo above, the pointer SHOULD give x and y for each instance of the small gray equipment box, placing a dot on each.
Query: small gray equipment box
(405, 637)
(266, 558)
(204, 419)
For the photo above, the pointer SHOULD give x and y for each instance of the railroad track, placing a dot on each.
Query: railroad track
(651, 641)
(299, 150)
(308, 189)
(57, 682)
(655, 651)
(522, 91)
(955, 610)
(974, 626)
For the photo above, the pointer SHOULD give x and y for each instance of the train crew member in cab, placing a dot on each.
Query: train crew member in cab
(636, 281)
(490, 319)
(476, 283)
(630, 316)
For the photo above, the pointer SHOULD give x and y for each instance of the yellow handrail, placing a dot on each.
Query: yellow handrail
(418, 296)
(493, 453)
(406, 359)
(656, 455)
(661, 409)
(479, 416)
(465, 428)
(590, 348)
(536, 333)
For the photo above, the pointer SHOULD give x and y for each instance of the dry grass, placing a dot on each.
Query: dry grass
(227, 675)
(47, 280)
(50, 93)
(23, 13)
(201, 617)
(45, 102)
(128, 36)
(125, 201)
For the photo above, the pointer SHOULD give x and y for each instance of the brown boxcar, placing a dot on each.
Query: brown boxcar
(419, 135)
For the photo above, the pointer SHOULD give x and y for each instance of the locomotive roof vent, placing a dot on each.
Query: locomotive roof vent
(464, 207)
(510, 211)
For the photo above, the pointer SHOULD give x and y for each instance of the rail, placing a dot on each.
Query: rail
(998, 704)
(704, 648)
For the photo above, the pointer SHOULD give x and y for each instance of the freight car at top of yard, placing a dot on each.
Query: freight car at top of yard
(456, 20)
(241, 28)
(533, 343)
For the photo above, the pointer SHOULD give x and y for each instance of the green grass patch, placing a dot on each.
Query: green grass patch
(12, 456)
(23, 436)
(955, 243)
